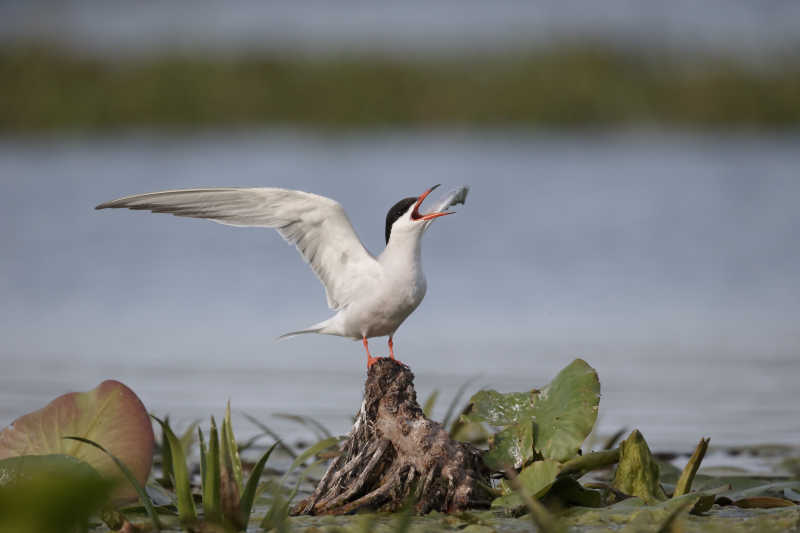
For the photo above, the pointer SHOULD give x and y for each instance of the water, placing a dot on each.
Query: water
(668, 261)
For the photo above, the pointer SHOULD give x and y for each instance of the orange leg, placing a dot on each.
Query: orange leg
(370, 360)
(391, 350)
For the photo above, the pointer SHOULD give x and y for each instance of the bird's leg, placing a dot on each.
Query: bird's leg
(391, 350)
(370, 360)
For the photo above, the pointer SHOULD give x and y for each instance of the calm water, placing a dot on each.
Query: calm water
(668, 261)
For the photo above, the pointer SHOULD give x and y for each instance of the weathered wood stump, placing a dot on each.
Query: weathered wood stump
(394, 454)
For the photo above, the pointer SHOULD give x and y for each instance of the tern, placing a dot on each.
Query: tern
(372, 295)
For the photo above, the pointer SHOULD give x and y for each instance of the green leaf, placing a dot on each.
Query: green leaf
(188, 438)
(166, 458)
(110, 414)
(53, 493)
(232, 447)
(144, 499)
(565, 411)
(523, 496)
(511, 447)
(183, 488)
(229, 488)
(637, 472)
(212, 507)
(249, 494)
(684, 484)
(535, 479)
(500, 409)
(570, 492)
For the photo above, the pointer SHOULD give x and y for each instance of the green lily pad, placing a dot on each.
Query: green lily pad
(535, 479)
(568, 491)
(563, 414)
(49, 493)
(499, 409)
(637, 473)
(565, 411)
(511, 447)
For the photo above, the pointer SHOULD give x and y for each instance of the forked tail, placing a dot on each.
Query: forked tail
(300, 332)
(319, 327)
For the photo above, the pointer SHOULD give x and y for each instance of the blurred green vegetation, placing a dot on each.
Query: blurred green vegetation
(41, 89)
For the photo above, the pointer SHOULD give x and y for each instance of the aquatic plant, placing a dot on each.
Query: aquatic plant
(110, 414)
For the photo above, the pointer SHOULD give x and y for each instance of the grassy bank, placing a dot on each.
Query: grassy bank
(42, 90)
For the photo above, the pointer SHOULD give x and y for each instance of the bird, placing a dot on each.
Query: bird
(372, 295)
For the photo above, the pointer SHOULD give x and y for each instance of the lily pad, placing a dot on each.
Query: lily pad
(565, 411)
(499, 409)
(511, 447)
(535, 479)
(110, 414)
(563, 414)
(49, 493)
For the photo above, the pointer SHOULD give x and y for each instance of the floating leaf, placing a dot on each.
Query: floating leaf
(569, 491)
(535, 479)
(563, 414)
(637, 471)
(565, 411)
(51, 493)
(757, 487)
(542, 520)
(110, 414)
(500, 409)
(763, 502)
(511, 447)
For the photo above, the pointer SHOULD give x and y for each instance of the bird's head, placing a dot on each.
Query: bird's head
(404, 216)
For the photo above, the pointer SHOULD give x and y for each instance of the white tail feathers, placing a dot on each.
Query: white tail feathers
(300, 332)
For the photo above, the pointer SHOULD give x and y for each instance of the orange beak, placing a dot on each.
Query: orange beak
(430, 216)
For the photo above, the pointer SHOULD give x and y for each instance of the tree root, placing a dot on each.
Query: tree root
(394, 454)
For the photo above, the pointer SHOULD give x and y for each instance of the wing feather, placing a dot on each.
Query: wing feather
(316, 225)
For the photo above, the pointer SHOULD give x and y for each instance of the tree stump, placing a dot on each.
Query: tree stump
(394, 454)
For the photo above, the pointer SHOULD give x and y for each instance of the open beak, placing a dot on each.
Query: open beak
(430, 216)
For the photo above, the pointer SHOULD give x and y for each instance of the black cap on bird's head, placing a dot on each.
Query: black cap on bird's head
(401, 208)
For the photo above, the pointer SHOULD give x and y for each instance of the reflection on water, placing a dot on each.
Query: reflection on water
(664, 260)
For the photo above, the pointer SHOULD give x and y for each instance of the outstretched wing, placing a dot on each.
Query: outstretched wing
(316, 225)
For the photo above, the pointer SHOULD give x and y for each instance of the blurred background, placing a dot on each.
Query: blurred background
(634, 170)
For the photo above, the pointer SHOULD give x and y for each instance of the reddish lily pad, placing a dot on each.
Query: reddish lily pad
(110, 414)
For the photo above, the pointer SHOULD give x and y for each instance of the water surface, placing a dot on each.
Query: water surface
(668, 261)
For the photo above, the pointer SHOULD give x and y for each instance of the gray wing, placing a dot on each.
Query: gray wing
(316, 225)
